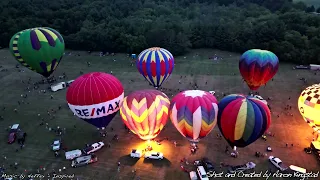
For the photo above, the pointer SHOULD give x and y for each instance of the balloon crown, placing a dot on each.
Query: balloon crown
(260, 50)
(154, 49)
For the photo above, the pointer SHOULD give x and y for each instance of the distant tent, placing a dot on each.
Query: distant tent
(301, 67)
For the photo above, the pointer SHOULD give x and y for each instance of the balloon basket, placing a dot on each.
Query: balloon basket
(194, 144)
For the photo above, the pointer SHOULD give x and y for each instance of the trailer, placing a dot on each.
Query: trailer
(314, 67)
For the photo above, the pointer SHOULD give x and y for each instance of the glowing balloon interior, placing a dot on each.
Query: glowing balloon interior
(309, 105)
(145, 112)
(95, 97)
(194, 114)
(39, 49)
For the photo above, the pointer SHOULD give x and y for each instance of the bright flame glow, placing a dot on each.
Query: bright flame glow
(155, 147)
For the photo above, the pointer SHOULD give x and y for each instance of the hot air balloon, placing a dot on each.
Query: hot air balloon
(145, 112)
(156, 65)
(242, 119)
(309, 106)
(194, 114)
(39, 49)
(257, 67)
(95, 97)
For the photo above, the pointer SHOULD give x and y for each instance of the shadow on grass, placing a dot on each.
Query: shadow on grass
(158, 163)
(128, 161)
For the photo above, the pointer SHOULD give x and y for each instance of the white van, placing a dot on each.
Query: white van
(193, 175)
(202, 173)
(70, 155)
(298, 169)
(58, 86)
(135, 153)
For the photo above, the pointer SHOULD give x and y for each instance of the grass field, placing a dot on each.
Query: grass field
(221, 76)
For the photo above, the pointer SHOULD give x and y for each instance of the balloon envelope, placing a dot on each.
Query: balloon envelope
(39, 49)
(95, 97)
(194, 114)
(309, 105)
(156, 65)
(242, 119)
(145, 112)
(257, 67)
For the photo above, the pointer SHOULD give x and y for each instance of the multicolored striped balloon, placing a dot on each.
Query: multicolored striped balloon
(145, 112)
(194, 114)
(39, 49)
(257, 67)
(243, 119)
(156, 65)
(309, 106)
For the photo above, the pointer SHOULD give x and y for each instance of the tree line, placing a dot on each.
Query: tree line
(291, 30)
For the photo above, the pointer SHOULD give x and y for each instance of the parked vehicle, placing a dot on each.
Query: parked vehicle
(84, 160)
(21, 136)
(297, 169)
(12, 138)
(58, 86)
(207, 164)
(70, 155)
(15, 127)
(93, 148)
(13, 133)
(278, 163)
(261, 98)
(153, 155)
(202, 173)
(135, 153)
(69, 83)
(212, 92)
(240, 168)
(193, 175)
(56, 145)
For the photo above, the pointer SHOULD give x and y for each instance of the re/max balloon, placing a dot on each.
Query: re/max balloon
(242, 119)
(156, 65)
(194, 114)
(257, 67)
(95, 97)
(145, 112)
(39, 49)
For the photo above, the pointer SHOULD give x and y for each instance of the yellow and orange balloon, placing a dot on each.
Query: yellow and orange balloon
(309, 106)
(145, 112)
